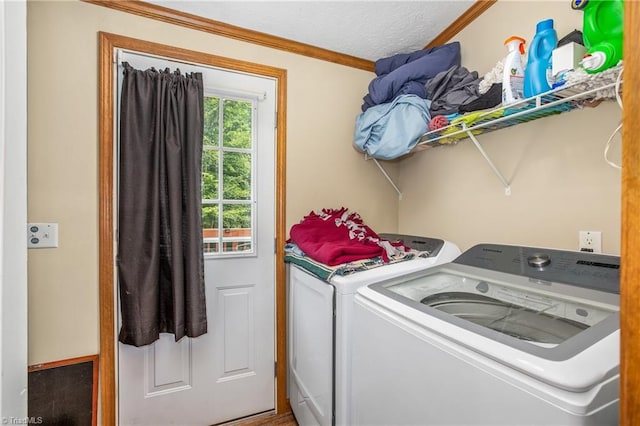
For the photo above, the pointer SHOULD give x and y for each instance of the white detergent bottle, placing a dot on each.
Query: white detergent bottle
(513, 74)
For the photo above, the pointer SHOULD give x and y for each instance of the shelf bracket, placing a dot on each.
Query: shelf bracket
(507, 187)
(386, 175)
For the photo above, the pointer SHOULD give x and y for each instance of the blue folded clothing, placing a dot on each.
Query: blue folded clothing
(407, 73)
(409, 88)
(392, 129)
(386, 65)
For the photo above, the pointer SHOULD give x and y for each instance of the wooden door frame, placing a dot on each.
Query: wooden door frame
(107, 289)
(630, 223)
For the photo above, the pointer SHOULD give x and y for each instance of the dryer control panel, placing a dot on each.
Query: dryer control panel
(596, 271)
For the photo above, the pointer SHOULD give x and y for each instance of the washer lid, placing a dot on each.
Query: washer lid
(549, 320)
(521, 322)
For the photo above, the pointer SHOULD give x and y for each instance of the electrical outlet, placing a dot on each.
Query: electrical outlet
(590, 241)
(42, 235)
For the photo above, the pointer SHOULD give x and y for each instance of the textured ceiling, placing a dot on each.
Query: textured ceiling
(364, 29)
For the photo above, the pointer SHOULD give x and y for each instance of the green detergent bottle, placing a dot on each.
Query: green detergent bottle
(602, 31)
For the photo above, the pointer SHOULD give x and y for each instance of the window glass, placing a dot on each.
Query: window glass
(227, 176)
(210, 174)
(211, 121)
(237, 233)
(237, 124)
(210, 227)
(236, 176)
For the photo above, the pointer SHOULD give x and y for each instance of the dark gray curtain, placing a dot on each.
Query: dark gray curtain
(160, 256)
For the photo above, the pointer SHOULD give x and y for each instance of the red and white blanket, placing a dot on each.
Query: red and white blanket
(335, 236)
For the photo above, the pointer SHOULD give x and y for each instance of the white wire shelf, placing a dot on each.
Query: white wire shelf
(581, 91)
(587, 90)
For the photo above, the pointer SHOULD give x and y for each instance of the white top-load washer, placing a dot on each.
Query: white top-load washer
(503, 335)
(320, 332)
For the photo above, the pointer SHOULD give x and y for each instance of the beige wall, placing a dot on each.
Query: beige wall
(323, 169)
(560, 182)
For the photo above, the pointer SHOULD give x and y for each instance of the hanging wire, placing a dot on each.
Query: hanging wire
(618, 82)
(608, 145)
(617, 129)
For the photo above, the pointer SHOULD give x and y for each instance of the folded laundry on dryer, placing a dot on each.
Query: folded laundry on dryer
(294, 255)
(335, 236)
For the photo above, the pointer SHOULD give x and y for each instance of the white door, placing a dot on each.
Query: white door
(227, 373)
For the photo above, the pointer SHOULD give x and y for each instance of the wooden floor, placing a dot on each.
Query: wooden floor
(268, 420)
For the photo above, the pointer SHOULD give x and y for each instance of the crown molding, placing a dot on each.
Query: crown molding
(478, 8)
(171, 16)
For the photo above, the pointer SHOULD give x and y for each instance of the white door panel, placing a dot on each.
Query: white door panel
(168, 365)
(235, 308)
(229, 372)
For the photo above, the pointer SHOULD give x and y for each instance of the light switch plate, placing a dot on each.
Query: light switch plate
(42, 235)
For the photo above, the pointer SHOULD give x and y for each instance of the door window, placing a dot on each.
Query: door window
(228, 207)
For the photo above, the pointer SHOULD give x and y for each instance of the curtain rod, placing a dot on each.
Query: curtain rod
(120, 57)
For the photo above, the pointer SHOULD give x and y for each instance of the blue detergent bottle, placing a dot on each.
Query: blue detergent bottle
(537, 75)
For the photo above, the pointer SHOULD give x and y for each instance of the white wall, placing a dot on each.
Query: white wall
(560, 182)
(13, 187)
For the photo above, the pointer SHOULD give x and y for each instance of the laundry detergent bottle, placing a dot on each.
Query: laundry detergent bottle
(513, 74)
(537, 74)
(602, 30)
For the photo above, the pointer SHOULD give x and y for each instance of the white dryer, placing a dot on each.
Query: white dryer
(320, 331)
(503, 335)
